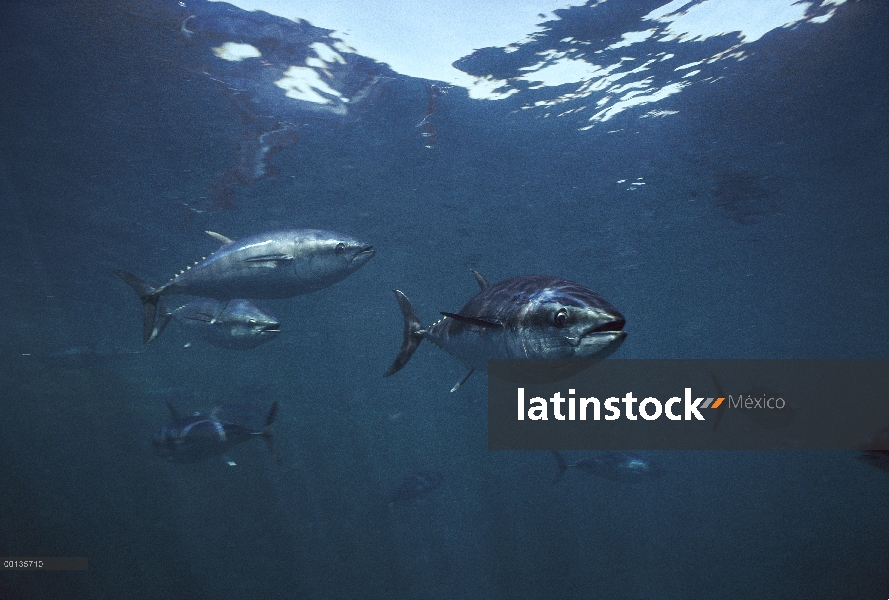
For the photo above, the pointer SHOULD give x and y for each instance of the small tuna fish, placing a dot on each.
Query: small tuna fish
(196, 437)
(415, 486)
(531, 316)
(80, 357)
(235, 324)
(279, 264)
(616, 466)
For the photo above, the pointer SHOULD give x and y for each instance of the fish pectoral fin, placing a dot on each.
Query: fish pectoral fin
(473, 320)
(219, 238)
(270, 258)
(462, 381)
(202, 317)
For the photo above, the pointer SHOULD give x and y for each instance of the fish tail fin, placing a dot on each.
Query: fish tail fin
(562, 465)
(413, 334)
(149, 297)
(269, 429)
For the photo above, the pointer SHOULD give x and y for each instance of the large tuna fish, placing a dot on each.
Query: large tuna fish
(278, 264)
(531, 316)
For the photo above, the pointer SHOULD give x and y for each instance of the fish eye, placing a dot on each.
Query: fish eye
(252, 321)
(560, 318)
(340, 248)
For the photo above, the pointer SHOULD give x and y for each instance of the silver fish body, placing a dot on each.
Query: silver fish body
(616, 466)
(236, 324)
(278, 264)
(196, 437)
(526, 317)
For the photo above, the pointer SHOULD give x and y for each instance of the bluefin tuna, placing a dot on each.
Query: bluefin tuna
(279, 264)
(525, 317)
(81, 357)
(236, 324)
(616, 466)
(196, 437)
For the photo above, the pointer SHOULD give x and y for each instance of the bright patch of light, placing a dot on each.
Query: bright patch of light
(236, 52)
(749, 19)
(566, 70)
(659, 113)
(624, 104)
(303, 83)
(421, 39)
(620, 89)
(326, 53)
(688, 66)
(632, 37)
(485, 88)
(823, 18)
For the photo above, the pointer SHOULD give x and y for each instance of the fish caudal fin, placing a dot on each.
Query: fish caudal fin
(562, 465)
(149, 297)
(269, 429)
(413, 334)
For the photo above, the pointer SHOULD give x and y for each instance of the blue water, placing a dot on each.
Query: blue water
(762, 231)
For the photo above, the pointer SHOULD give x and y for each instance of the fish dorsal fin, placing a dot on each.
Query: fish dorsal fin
(219, 238)
(472, 320)
(173, 412)
(482, 282)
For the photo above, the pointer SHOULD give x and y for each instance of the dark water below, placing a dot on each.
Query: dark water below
(761, 232)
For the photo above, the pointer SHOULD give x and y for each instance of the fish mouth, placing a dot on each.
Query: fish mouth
(604, 334)
(363, 255)
(612, 326)
(273, 328)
